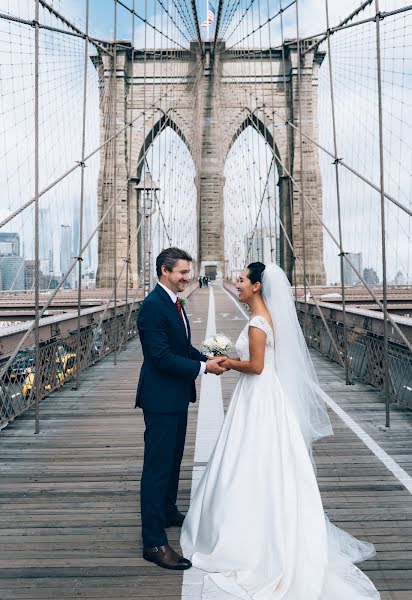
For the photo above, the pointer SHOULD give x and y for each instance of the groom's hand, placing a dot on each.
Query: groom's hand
(213, 365)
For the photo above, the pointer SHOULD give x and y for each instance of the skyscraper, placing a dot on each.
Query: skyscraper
(45, 242)
(12, 272)
(9, 244)
(259, 246)
(370, 276)
(65, 252)
(349, 275)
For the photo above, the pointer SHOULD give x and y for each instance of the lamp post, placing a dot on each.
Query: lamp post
(147, 208)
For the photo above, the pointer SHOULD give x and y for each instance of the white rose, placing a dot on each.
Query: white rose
(221, 340)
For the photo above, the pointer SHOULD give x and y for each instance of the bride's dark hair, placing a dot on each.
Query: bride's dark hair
(256, 271)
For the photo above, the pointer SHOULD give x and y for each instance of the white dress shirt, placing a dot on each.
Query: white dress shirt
(173, 298)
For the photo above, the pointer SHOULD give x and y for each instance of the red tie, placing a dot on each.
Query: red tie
(179, 308)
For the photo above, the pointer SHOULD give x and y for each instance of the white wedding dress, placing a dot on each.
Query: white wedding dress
(256, 523)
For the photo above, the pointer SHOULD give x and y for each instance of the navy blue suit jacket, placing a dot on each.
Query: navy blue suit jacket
(170, 362)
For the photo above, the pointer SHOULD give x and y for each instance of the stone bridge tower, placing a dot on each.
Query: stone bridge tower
(209, 101)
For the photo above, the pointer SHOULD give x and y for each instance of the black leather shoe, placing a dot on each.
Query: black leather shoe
(166, 557)
(176, 520)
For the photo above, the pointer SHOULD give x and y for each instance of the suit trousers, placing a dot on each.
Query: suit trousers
(164, 440)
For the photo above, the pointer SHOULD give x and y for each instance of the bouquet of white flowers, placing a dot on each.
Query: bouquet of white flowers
(217, 344)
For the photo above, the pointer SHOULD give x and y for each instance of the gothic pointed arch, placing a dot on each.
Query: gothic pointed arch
(256, 123)
(160, 126)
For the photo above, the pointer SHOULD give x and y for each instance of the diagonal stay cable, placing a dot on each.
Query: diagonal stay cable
(297, 260)
(172, 19)
(315, 37)
(75, 260)
(98, 43)
(147, 22)
(183, 17)
(58, 15)
(218, 20)
(348, 25)
(241, 19)
(196, 21)
(340, 161)
(228, 16)
(103, 145)
(336, 242)
(259, 28)
(353, 14)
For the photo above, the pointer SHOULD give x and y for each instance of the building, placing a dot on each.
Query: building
(12, 272)
(11, 263)
(9, 244)
(370, 276)
(45, 242)
(29, 274)
(349, 275)
(259, 246)
(66, 252)
(88, 279)
(399, 278)
(48, 281)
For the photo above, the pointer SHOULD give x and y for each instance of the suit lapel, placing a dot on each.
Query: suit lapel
(169, 302)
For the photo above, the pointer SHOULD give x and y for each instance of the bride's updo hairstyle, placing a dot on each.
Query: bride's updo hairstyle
(256, 271)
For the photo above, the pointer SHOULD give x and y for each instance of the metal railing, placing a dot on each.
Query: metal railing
(102, 330)
(57, 359)
(365, 346)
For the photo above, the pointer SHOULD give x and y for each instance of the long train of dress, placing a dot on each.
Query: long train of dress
(256, 523)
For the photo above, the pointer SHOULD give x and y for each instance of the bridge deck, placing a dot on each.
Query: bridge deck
(69, 496)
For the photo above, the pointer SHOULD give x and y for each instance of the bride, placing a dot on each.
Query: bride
(256, 523)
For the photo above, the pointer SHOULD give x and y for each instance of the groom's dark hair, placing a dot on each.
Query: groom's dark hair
(169, 257)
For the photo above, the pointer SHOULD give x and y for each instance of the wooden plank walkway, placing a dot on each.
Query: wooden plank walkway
(70, 517)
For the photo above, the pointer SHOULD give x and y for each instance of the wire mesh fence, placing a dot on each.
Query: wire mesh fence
(59, 359)
(366, 355)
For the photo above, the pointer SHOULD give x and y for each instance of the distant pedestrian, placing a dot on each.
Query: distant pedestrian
(200, 282)
(205, 281)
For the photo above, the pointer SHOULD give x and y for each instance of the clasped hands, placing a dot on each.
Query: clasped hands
(216, 365)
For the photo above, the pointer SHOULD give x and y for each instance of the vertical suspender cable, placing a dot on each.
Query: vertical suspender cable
(79, 256)
(383, 235)
(288, 157)
(37, 376)
(144, 202)
(337, 181)
(302, 183)
(275, 170)
(129, 181)
(152, 193)
(115, 183)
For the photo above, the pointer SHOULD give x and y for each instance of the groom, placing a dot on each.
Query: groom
(166, 386)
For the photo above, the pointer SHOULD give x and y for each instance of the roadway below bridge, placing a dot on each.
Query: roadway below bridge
(69, 497)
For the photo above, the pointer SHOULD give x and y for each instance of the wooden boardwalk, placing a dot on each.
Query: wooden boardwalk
(70, 517)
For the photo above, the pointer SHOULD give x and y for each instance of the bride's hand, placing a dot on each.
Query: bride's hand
(225, 363)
